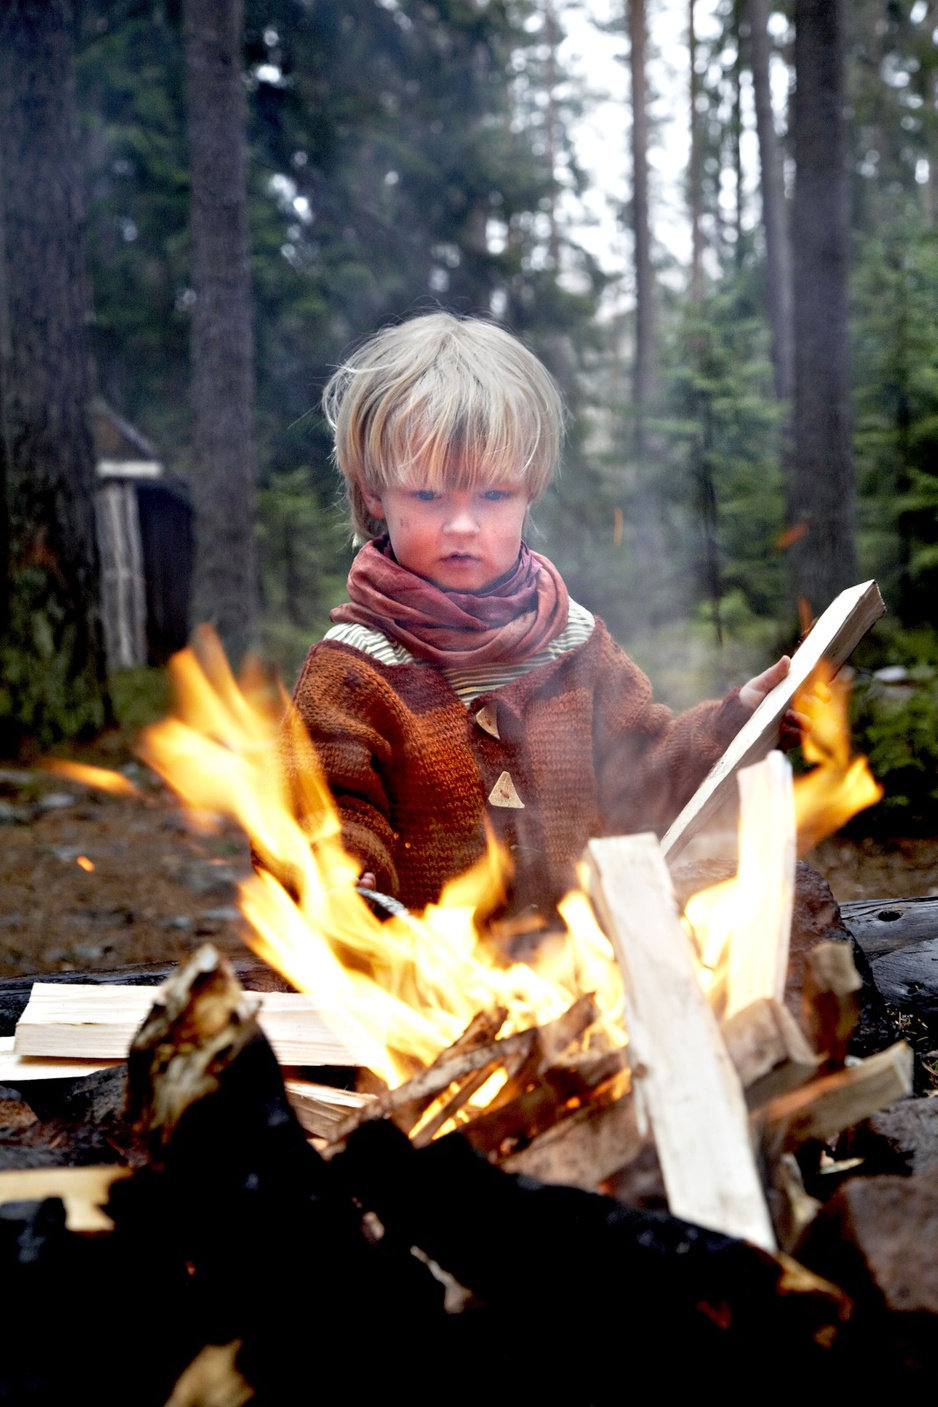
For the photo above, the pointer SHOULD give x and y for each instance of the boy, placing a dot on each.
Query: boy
(460, 689)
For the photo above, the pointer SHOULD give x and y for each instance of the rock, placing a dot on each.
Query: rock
(55, 801)
(902, 1138)
(209, 878)
(876, 1238)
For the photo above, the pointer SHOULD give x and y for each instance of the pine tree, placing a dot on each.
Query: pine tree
(52, 672)
(223, 387)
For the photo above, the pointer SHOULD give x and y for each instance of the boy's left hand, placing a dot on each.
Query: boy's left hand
(793, 725)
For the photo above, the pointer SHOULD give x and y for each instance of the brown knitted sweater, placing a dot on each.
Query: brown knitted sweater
(413, 772)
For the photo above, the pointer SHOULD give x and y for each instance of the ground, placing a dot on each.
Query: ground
(89, 880)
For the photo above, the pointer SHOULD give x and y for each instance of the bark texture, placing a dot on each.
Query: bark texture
(52, 672)
(822, 490)
(644, 377)
(774, 213)
(223, 374)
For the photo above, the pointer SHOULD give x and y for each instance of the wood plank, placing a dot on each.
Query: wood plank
(827, 1105)
(90, 1023)
(682, 1074)
(829, 644)
(765, 884)
(19, 1069)
(84, 1191)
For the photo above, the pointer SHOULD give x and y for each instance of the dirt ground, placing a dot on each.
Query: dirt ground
(90, 880)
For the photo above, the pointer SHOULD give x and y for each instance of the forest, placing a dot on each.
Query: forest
(206, 203)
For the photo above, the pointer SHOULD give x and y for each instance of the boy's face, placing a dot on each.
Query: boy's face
(460, 539)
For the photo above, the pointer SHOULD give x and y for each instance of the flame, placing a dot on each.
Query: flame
(838, 786)
(85, 864)
(101, 777)
(402, 989)
(741, 926)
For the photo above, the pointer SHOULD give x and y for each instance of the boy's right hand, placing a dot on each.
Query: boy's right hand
(367, 881)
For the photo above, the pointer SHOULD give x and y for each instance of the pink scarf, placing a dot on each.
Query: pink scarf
(513, 618)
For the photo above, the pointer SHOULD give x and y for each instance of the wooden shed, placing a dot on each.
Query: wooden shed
(146, 545)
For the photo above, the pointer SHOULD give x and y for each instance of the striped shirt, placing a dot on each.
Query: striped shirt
(477, 679)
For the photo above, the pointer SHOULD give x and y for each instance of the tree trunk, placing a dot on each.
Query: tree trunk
(52, 667)
(644, 372)
(223, 378)
(774, 214)
(695, 172)
(822, 488)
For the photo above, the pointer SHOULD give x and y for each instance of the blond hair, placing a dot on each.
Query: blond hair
(442, 402)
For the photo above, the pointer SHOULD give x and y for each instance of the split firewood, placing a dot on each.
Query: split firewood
(757, 961)
(831, 1103)
(583, 1150)
(83, 1191)
(450, 1106)
(829, 644)
(15, 1069)
(320, 1108)
(792, 1208)
(768, 1049)
(407, 1103)
(682, 1074)
(212, 1380)
(831, 1000)
(82, 1022)
(416, 1094)
(508, 1125)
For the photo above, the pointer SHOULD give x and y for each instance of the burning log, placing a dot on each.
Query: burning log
(526, 1058)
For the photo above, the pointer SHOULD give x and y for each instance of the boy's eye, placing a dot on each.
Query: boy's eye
(424, 495)
(495, 495)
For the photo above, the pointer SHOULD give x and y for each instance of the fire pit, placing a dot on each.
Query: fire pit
(407, 1223)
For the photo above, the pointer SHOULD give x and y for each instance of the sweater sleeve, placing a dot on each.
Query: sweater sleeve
(648, 762)
(338, 700)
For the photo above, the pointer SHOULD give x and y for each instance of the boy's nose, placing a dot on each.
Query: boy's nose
(461, 520)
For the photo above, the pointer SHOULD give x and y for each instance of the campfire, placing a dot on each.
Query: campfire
(634, 1048)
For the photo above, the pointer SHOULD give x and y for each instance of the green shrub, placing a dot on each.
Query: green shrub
(896, 725)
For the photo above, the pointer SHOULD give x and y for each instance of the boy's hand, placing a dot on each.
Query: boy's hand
(753, 692)
(367, 880)
(793, 725)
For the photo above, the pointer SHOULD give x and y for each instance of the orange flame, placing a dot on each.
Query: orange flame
(84, 863)
(725, 917)
(838, 786)
(405, 988)
(101, 777)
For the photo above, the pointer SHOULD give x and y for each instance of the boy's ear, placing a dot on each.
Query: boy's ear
(373, 503)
